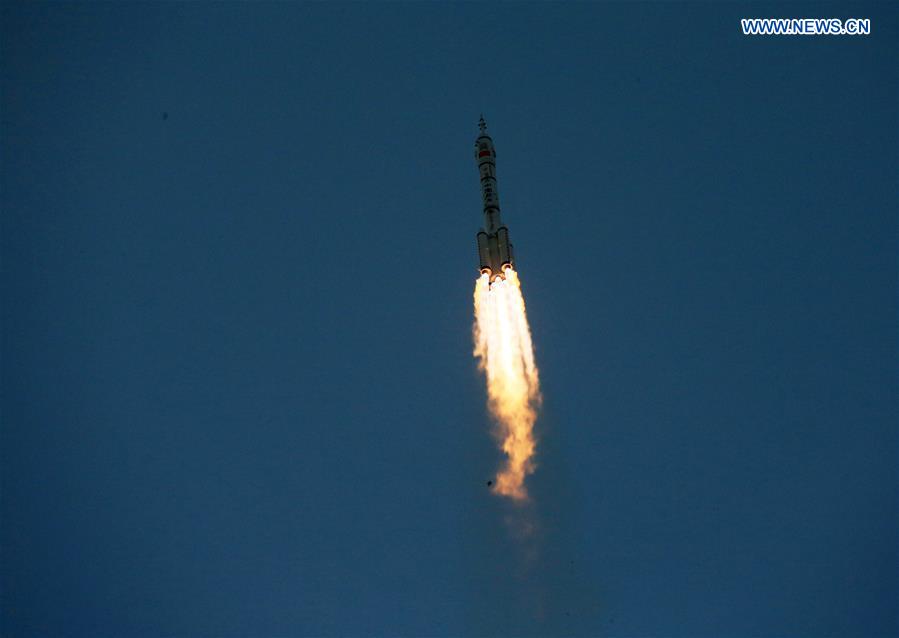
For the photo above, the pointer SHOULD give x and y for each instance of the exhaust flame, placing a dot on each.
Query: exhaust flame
(502, 344)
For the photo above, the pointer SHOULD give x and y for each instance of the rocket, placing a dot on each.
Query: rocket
(494, 249)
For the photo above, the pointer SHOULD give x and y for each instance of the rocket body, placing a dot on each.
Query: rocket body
(494, 249)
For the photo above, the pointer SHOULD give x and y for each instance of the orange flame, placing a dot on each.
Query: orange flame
(502, 344)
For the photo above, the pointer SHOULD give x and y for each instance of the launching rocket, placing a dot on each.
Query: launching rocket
(502, 337)
(494, 249)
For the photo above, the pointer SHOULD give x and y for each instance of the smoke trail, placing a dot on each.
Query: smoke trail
(505, 353)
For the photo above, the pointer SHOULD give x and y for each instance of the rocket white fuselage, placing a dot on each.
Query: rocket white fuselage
(494, 249)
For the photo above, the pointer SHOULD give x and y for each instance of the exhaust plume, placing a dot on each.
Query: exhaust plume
(503, 347)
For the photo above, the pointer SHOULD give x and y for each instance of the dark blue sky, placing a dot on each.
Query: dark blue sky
(238, 396)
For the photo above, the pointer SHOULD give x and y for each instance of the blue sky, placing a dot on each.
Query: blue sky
(238, 257)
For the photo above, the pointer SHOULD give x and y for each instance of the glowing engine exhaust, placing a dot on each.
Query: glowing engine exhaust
(506, 355)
